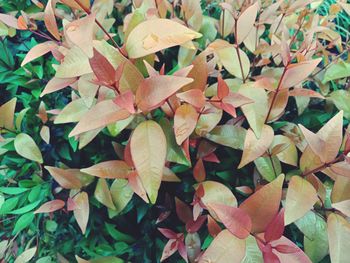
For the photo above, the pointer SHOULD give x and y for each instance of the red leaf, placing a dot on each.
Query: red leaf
(236, 220)
(285, 249)
(275, 228)
(199, 171)
(126, 101)
(270, 257)
(223, 89)
(211, 158)
(168, 233)
(102, 68)
(193, 226)
(183, 211)
(213, 227)
(182, 250)
(169, 249)
(71, 205)
(50, 206)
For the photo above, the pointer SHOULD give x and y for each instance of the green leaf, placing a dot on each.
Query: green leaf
(26, 147)
(269, 168)
(25, 209)
(13, 190)
(22, 222)
(341, 99)
(337, 71)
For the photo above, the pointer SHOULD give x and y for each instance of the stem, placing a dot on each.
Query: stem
(237, 51)
(323, 166)
(88, 11)
(171, 107)
(276, 92)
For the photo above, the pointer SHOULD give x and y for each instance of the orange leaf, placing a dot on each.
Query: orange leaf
(253, 147)
(38, 51)
(298, 72)
(195, 97)
(183, 211)
(81, 212)
(109, 169)
(67, 178)
(50, 20)
(153, 91)
(99, 116)
(81, 33)
(73, 4)
(263, 205)
(236, 220)
(185, 121)
(199, 171)
(50, 206)
(136, 185)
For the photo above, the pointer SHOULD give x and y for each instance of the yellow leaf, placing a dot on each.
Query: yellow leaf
(254, 147)
(246, 22)
(298, 72)
(121, 194)
(103, 194)
(338, 236)
(264, 204)
(148, 150)
(343, 206)
(27, 148)
(56, 84)
(289, 155)
(7, 114)
(81, 212)
(154, 35)
(109, 169)
(45, 134)
(72, 112)
(185, 121)
(301, 197)
(26, 256)
(73, 4)
(255, 112)
(224, 248)
(341, 189)
(99, 116)
(230, 60)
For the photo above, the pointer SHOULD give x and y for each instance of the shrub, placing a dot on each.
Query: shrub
(206, 131)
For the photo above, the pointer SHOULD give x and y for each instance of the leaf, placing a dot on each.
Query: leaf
(183, 211)
(224, 248)
(253, 253)
(217, 193)
(298, 72)
(73, 4)
(316, 144)
(26, 256)
(121, 194)
(185, 121)
(50, 20)
(253, 147)
(263, 205)
(341, 99)
(195, 97)
(67, 178)
(256, 112)
(72, 112)
(199, 171)
(148, 150)
(230, 60)
(337, 70)
(289, 155)
(75, 64)
(102, 68)
(23, 222)
(99, 116)
(343, 206)
(109, 169)
(45, 134)
(56, 84)
(50, 206)
(301, 196)
(81, 33)
(38, 51)
(275, 228)
(103, 194)
(246, 22)
(9, 20)
(236, 220)
(27, 148)
(228, 135)
(153, 35)
(7, 114)
(338, 235)
(153, 91)
(269, 168)
(81, 212)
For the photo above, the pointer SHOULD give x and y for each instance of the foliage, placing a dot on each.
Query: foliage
(197, 131)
